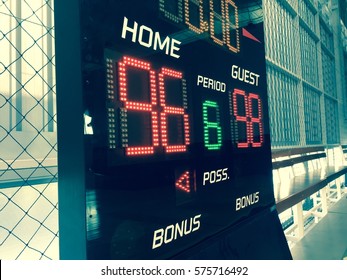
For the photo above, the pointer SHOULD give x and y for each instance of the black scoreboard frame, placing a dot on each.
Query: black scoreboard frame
(198, 172)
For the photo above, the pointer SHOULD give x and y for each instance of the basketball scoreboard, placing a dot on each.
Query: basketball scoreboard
(175, 91)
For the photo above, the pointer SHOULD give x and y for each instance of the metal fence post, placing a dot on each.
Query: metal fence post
(72, 200)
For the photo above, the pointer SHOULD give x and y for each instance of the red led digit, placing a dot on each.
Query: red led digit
(129, 105)
(241, 118)
(248, 118)
(145, 122)
(255, 121)
(172, 110)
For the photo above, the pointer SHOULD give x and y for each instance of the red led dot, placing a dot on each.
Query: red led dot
(133, 151)
(256, 120)
(240, 118)
(249, 119)
(139, 106)
(183, 182)
(159, 124)
(170, 110)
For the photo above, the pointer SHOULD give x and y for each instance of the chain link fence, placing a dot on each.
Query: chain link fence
(28, 142)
